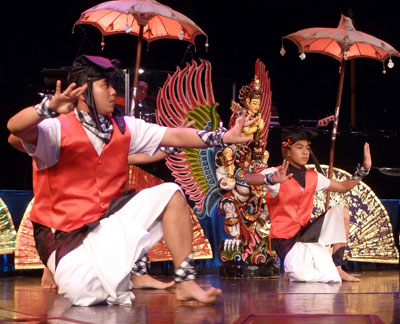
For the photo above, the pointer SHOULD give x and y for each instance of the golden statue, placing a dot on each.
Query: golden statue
(250, 100)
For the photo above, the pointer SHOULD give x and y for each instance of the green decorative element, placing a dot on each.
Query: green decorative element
(230, 255)
(259, 255)
(261, 249)
(203, 115)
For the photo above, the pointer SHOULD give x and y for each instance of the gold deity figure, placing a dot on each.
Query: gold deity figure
(227, 160)
(250, 100)
(242, 205)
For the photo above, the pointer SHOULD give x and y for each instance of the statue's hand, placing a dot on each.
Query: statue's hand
(232, 245)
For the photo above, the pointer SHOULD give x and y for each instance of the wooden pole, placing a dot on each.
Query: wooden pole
(137, 66)
(335, 127)
(353, 106)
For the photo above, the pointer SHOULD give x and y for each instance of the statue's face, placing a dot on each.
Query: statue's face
(253, 105)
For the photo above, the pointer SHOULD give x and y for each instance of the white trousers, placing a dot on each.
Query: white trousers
(99, 269)
(313, 261)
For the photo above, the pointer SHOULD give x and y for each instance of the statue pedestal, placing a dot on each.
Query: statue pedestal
(242, 269)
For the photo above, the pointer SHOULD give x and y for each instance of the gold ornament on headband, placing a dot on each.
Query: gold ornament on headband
(288, 143)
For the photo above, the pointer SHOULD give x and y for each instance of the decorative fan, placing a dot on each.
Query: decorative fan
(140, 179)
(26, 256)
(371, 236)
(7, 230)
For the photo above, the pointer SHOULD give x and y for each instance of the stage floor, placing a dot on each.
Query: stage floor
(378, 293)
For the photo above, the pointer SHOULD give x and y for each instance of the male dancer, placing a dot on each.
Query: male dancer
(47, 281)
(80, 150)
(300, 243)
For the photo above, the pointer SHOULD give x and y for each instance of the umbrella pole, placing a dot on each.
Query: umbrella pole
(335, 126)
(137, 66)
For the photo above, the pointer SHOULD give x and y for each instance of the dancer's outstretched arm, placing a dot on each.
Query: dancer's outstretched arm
(346, 185)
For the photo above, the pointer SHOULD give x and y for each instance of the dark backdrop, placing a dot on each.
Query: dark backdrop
(37, 35)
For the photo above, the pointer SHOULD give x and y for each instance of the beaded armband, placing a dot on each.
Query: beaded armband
(360, 172)
(43, 108)
(268, 179)
(171, 150)
(213, 138)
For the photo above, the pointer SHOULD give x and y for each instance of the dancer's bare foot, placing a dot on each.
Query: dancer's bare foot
(48, 279)
(346, 276)
(286, 276)
(147, 281)
(190, 290)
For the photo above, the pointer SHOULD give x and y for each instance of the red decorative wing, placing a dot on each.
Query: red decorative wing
(266, 100)
(188, 93)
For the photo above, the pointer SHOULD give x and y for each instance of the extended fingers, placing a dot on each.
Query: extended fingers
(242, 119)
(187, 124)
(250, 119)
(244, 139)
(184, 123)
(366, 149)
(78, 91)
(367, 153)
(67, 92)
(367, 157)
(58, 87)
(285, 165)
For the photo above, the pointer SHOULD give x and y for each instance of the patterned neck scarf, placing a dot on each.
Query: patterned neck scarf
(87, 121)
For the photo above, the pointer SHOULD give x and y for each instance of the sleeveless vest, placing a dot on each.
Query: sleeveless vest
(291, 208)
(79, 187)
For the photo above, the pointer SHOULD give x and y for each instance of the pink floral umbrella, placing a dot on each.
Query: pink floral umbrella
(147, 19)
(342, 43)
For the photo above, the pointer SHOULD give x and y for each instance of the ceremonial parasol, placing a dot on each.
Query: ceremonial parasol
(342, 43)
(147, 19)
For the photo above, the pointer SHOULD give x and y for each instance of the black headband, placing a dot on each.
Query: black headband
(92, 68)
(291, 136)
(88, 69)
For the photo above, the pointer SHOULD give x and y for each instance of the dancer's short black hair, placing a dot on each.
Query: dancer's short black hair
(293, 135)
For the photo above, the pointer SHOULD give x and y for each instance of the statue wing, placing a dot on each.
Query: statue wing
(266, 99)
(188, 94)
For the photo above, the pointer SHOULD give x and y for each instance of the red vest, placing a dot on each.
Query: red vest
(291, 208)
(78, 189)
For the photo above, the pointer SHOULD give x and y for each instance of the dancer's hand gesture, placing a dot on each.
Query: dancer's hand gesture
(367, 157)
(234, 135)
(64, 102)
(281, 175)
